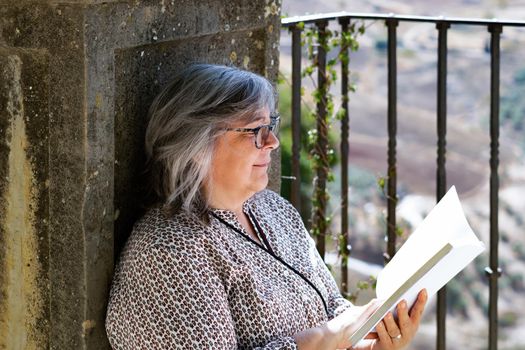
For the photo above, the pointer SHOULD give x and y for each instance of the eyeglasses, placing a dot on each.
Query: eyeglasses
(262, 132)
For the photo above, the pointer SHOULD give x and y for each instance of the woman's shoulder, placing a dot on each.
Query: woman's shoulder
(273, 201)
(268, 195)
(155, 228)
(269, 206)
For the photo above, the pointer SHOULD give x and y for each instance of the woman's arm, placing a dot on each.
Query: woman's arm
(174, 300)
(336, 303)
(169, 299)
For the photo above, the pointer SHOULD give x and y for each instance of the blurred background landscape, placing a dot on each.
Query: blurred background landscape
(467, 157)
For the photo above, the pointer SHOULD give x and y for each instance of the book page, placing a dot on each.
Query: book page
(446, 223)
(387, 304)
(442, 246)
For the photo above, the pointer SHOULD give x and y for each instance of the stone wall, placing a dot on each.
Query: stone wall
(76, 79)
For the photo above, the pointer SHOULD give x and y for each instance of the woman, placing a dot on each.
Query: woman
(220, 262)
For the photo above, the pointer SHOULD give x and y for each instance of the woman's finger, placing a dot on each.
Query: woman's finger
(391, 326)
(371, 335)
(405, 325)
(372, 306)
(384, 337)
(419, 306)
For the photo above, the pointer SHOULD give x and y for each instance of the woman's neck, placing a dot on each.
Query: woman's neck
(228, 200)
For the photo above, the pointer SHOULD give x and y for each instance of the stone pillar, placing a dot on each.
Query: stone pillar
(76, 79)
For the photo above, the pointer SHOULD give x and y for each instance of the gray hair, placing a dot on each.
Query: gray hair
(185, 120)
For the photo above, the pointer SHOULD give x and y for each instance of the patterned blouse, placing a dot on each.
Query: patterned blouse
(182, 285)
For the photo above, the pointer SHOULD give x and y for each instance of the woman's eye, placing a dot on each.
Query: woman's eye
(247, 134)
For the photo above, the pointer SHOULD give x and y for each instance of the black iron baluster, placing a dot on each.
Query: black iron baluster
(344, 245)
(441, 174)
(320, 198)
(392, 23)
(493, 272)
(295, 196)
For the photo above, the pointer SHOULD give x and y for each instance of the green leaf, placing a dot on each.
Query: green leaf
(381, 181)
(344, 58)
(330, 106)
(309, 70)
(373, 280)
(334, 75)
(363, 285)
(340, 114)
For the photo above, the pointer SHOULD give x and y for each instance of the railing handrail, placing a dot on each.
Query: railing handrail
(290, 21)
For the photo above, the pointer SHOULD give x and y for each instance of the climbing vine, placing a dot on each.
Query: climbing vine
(321, 150)
(320, 140)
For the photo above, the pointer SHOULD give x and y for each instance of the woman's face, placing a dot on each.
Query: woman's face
(239, 169)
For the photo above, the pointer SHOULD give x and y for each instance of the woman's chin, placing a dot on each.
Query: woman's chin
(260, 183)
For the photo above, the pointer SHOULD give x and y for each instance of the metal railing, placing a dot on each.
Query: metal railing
(320, 22)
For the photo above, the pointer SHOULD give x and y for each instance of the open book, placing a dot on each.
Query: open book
(442, 246)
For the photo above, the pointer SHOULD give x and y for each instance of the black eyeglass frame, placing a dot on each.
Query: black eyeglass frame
(275, 118)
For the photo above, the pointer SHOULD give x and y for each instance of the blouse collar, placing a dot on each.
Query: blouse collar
(230, 217)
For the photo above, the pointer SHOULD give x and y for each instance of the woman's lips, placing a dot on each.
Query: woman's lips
(262, 165)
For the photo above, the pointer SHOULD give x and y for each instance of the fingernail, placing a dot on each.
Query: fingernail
(403, 304)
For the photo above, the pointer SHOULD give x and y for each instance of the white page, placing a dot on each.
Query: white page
(446, 223)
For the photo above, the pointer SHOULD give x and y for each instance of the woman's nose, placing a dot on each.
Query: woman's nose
(272, 142)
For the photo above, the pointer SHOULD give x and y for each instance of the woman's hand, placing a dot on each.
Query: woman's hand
(335, 334)
(397, 336)
(340, 328)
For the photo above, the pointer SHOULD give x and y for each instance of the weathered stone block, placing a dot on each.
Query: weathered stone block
(24, 170)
